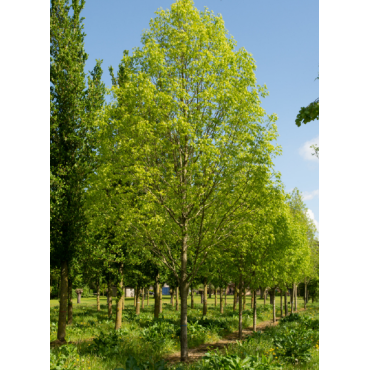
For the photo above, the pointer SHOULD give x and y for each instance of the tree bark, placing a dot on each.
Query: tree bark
(273, 306)
(184, 320)
(215, 297)
(70, 303)
(244, 298)
(137, 300)
(261, 292)
(264, 297)
(156, 297)
(160, 298)
(142, 297)
(252, 298)
(63, 304)
(98, 296)
(119, 300)
(292, 299)
(296, 298)
(281, 303)
(221, 302)
(254, 311)
(235, 298)
(192, 298)
(240, 309)
(177, 298)
(205, 298)
(286, 302)
(305, 293)
(172, 293)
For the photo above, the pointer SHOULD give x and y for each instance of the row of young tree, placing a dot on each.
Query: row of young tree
(173, 179)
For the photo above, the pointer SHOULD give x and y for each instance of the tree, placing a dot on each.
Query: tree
(191, 135)
(72, 108)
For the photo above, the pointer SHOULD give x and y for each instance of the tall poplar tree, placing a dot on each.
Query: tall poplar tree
(72, 112)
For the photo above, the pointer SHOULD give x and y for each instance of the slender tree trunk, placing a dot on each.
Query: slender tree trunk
(235, 298)
(205, 299)
(226, 296)
(192, 298)
(305, 293)
(172, 294)
(273, 306)
(147, 296)
(252, 298)
(184, 320)
(156, 297)
(215, 297)
(264, 297)
(177, 298)
(160, 298)
(142, 297)
(292, 300)
(210, 292)
(70, 303)
(98, 296)
(244, 298)
(240, 309)
(254, 311)
(221, 302)
(63, 304)
(286, 302)
(296, 298)
(137, 299)
(123, 297)
(119, 300)
(281, 303)
(261, 292)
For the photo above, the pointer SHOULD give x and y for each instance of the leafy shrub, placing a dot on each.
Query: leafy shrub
(216, 361)
(107, 344)
(63, 357)
(132, 364)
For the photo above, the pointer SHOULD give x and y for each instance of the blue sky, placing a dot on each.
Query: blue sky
(283, 37)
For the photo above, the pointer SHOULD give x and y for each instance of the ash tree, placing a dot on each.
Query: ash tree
(187, 129)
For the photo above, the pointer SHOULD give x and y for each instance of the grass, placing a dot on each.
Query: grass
(140, 335)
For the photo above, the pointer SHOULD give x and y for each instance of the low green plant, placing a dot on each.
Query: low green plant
(63, 357)
(132, 364)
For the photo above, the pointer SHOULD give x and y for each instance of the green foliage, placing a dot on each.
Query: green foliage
(308, 114)
(132, 364)
(217, 361)
(63, 357)
(107, 344)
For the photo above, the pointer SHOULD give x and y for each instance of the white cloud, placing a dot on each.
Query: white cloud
(306, 152)
(312, 217)
(308, 195)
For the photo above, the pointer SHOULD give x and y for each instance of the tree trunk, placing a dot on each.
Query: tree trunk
(210, 292)
(98, 296)
(296, 298)
(273, 306)
(192, 298)
(286, 302)
(184, 319)
(142, 297)
(123, 297)
(70, 303)
(305, 293)
(177, 298)
(215, 297)
(205, 298)
(244, 298)
(160, 298)
(147, 296)
(226, 296)
(261, 292)
(119, 300)
(235, 298)
(63, 304)
(156, 297)
(137, 300)
(271, 296)
(252, 298)
(254, 311)
(240, 309)
(281, 303)
(292, 299)
(172, 294)
(264, 297)
(221, 302)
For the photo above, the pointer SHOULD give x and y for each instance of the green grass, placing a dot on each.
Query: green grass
(139, 336)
